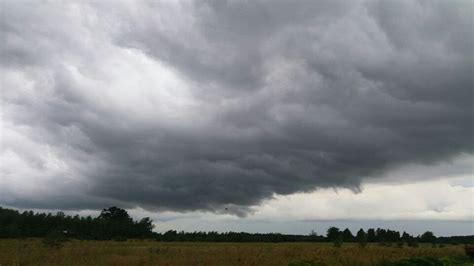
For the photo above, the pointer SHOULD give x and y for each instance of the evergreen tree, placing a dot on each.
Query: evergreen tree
(333, 233)
(361, 237)
(371, 237)
(347, 235)
(428, 237)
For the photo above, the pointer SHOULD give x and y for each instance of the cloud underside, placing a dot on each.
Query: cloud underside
(219, 105)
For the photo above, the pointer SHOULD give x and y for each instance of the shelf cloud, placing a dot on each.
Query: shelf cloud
(219, 105)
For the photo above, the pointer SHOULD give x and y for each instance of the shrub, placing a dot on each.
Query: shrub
(154, 250)
(428, 261)
(120, 238)
(54, 239)
(338, 242)
(419, 261)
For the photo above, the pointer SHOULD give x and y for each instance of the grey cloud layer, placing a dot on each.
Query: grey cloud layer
(218, 105)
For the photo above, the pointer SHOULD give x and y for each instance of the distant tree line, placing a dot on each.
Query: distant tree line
(173, 235)
(378, 235)
(115, 223)
(112, 223)
(333, 234)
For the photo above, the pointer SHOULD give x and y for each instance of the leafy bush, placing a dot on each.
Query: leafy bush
(54, 239)
(428, 261)
(419, 261)
(338, 242)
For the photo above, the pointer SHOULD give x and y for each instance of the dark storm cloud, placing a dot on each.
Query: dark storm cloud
(280, 98)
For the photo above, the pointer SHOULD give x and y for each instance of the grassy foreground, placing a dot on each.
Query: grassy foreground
(139, 252)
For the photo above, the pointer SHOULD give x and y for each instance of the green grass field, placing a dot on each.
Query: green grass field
(139, 252)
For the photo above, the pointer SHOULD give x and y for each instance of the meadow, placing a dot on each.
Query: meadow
(147, 252)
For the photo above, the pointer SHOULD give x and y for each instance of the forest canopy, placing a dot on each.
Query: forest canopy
(116, 223)
(112, 223)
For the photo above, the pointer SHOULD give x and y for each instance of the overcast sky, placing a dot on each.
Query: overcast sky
(241, 114)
